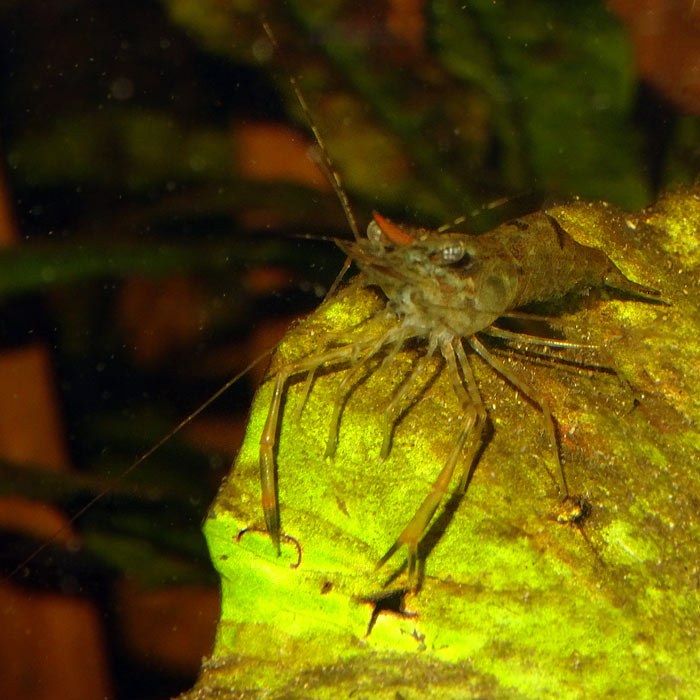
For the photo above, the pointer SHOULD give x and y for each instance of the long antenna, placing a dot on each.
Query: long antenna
(324, 162)
(99, 496)
(334, 179)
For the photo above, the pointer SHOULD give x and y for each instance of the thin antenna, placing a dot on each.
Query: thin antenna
(485, 207)
(332, 176)
(325, 162)
(99, 496)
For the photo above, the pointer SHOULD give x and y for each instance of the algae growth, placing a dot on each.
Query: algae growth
(517, 598)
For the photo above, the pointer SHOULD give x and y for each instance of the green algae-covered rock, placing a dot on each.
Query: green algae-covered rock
(522, 596)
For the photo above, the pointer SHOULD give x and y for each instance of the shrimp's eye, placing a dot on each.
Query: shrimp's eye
(374, 233)
(453, 252)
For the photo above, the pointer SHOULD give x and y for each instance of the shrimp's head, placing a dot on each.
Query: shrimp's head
(438, 282)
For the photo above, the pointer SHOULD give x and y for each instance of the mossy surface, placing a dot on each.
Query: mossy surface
(518, 599)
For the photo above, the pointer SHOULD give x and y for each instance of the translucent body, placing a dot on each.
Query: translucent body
(446, 289)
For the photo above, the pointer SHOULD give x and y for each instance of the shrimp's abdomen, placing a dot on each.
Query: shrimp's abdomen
(550, 262)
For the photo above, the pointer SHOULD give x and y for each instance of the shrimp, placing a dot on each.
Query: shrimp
(446, 290)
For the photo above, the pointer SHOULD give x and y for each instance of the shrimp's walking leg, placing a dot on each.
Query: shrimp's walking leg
(391, 410)
(269, 434)
(480, 414)
(308, 383)
(418, 524)
(528, 339)
(341, 392)
(267, 462)
(535, 397)
(609, 363)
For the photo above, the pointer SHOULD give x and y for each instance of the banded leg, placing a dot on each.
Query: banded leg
(535, 397)
(268, 438)
(418, 524)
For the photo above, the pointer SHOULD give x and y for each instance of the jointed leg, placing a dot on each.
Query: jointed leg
(480, 413)
(607, 361)
(308, 383)
(356, 366)
(269, 434)
(418, 524)
(535, 397)
(267, 463)
(391, 410)
(528, 339)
